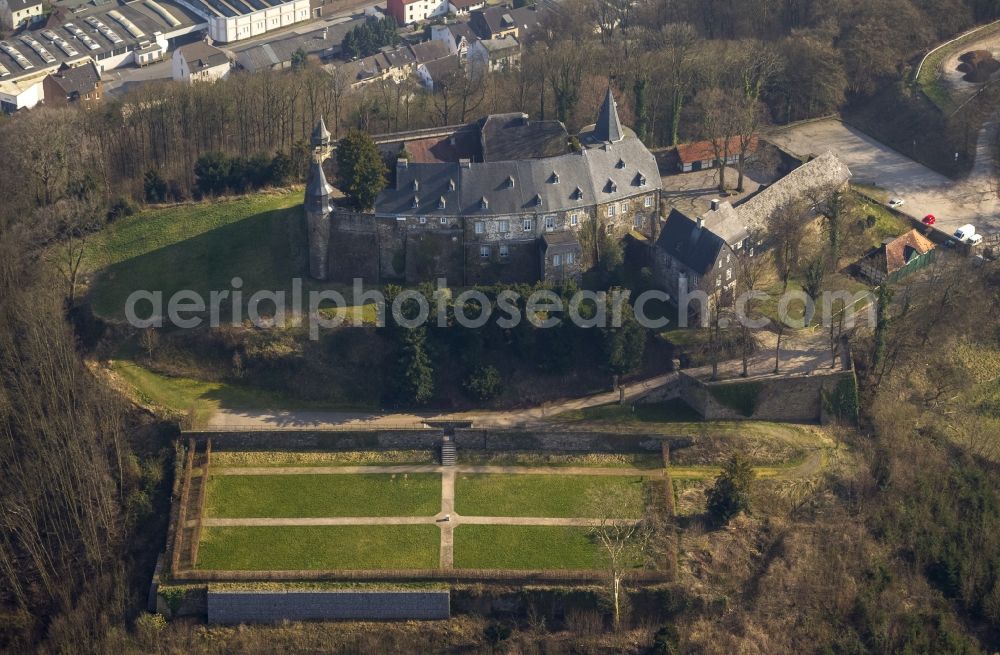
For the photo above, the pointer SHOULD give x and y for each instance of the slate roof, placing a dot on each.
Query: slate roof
(201, 55)
(726, 222)
(812, 182)
(274, 53)
(497, 48)
(77, 80)
(535, 189)
(438, 69)
(317, 185)
(466, 4)
(696, 247)
(488, 22)
(608, 126)
(514, 136)
(20, 5)
(459, 30)
(429, 51)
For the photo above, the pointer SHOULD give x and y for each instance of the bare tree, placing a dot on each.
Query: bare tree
(625, 543)
(718, 110)
(70, 222)
(785, 230)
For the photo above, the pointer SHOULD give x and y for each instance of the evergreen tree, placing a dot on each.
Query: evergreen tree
(211, 172)
(360, 170)
(416, 378)
(730, 494)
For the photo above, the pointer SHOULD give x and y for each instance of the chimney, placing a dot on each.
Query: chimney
(401, 164)
(715, 204)
(700, 222)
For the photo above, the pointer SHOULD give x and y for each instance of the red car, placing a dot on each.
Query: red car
(929, 219)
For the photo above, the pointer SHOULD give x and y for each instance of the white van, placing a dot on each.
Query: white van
(965, 232)
(975, 239)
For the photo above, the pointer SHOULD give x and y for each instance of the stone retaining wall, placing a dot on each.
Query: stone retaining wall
(413, 439)
(232, 607)
(486, 439)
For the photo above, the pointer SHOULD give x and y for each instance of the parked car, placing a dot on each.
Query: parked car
(975, 239)
(965, 232)
(896, 203)
(929, 219)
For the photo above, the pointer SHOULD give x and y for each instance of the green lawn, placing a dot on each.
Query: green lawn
(320, 547)
(524, 547)
(302, 496)
(198, 400)
(260, 238)
(541, 495)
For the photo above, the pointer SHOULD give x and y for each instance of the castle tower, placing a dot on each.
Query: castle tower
(608, 127)
(317, 210)
(321, 140)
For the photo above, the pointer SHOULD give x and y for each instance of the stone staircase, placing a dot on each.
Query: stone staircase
(447, 452)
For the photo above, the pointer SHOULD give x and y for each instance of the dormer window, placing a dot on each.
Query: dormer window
(416, 201)
(611, 187)
(538, 200)
(640, 180)
(451, 185)
(484, 203)
(441, 202)
(620, 164)
(554, 178)
(510, 181)
(416, 185)
(578, 194)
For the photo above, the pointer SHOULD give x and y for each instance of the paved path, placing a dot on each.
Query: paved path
(434, 468)
(973, 199)
(446, 526)
(235, 419)
(447, 559)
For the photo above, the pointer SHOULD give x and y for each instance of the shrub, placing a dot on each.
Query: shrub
(120, 208)
(484, 383)
(211, 173)
(154, 187)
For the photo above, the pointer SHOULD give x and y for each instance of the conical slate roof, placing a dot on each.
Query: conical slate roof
(317, 185)
(320, 135)
(608, 127)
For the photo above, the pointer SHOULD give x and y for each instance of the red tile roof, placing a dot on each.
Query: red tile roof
(705, 150)
(899, 251)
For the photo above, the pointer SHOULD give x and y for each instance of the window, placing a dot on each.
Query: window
(647, 202)
(574, 219)
(638, 220)
(550, 222)
(718, 281)
(611, 210)
(423, 220)
(527, 225)
(569, 258)
(484, 252)
(480, 227)
(624, 207)
(556, 260)
(504, 226)
(444, 221)
(739, 244)
(505, 251)
(729, 274)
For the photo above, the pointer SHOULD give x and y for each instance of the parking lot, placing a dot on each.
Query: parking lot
(971, 200)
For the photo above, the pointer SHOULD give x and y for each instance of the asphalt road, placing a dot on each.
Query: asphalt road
(971, 200)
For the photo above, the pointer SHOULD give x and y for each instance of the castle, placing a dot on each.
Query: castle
(504, 199)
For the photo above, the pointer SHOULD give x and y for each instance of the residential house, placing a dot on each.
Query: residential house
(699, 254)
(702, 155)
(407, 12)
(200, 62)
(463, 7)
(433, 74)
(897, 257)
(504, 20)
(457, 36)
(494, 55)
(17, 13)
(74, 85)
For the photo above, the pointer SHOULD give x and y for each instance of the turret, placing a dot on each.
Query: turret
(608, 127)
(317, 210)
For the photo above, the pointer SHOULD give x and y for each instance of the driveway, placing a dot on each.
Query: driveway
(954, 203)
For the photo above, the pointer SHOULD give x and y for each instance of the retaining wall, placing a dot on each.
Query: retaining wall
(473, 439)
(230, 607)
(412, 439)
